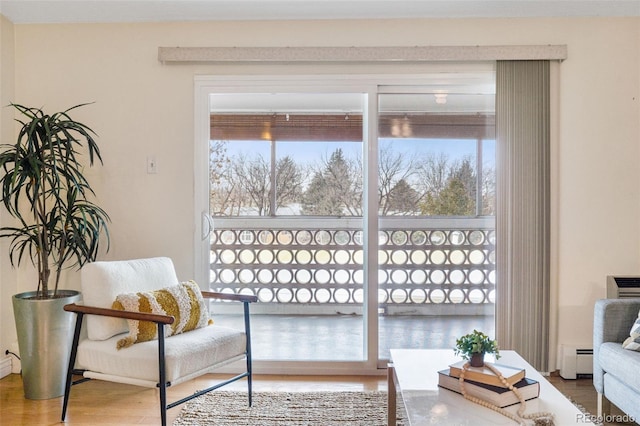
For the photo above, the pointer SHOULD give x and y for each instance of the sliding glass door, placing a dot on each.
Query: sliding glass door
(286, 202)
(358, 209)
(436, 189)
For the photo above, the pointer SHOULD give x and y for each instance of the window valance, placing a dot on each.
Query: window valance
(361, 54)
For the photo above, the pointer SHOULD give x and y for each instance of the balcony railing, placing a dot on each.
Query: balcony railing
(425, 266)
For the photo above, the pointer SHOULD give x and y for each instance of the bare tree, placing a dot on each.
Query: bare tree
(225, 197)
(407, 184)
(488, 186)
(395, 169)
(246, 183)
(432, 174)
(253, 177)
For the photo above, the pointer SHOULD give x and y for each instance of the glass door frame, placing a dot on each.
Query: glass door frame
(368, 86)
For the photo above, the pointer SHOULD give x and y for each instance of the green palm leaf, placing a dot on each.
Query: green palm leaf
(43, 186)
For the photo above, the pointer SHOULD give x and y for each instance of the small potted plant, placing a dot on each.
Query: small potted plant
(474, 346)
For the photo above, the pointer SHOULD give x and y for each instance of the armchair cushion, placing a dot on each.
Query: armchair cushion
(184, 302)
(102, 282)
(186, 355)
(633, 341)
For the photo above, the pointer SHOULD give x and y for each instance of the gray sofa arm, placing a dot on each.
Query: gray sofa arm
(612, 320)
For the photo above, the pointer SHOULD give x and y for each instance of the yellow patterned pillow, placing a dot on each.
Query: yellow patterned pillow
(184, 302)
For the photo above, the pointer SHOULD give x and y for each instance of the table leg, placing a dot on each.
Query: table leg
(391, 395)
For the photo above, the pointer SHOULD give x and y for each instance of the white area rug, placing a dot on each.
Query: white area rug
(224, 408)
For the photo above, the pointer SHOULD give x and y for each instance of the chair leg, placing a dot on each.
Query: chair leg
(247, 330)
(163, 404)
(249, 374)
(162, 383)
(72, 362)
(249, 381)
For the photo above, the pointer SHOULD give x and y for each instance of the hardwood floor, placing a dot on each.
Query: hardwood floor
(103, 403)
(582, 392)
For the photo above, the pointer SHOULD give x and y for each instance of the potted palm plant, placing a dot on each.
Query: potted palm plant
(55, 226)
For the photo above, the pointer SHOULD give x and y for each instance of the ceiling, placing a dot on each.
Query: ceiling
(92, 11)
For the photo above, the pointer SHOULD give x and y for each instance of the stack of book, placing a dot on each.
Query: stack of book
(482, 383)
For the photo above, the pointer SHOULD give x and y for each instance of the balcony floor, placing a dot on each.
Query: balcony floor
(340, 337)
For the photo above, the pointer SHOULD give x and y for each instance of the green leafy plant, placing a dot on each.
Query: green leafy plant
(476, 343)
(43, 187)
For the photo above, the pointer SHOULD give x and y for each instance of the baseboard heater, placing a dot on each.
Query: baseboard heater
(576, 362)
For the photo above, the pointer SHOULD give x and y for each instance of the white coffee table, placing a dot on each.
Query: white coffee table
(414, 373)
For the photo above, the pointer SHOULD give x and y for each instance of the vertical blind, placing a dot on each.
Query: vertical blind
(522, 217)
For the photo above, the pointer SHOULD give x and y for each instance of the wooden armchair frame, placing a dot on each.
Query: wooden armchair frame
(161, 321)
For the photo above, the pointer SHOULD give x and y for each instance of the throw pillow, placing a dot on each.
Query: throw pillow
(633, 341)
(184, 302)
(103, 281)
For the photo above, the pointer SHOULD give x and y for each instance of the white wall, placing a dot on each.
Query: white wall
(7, 274)
(597, 181)
(145, 108)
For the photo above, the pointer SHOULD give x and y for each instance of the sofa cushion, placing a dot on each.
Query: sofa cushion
(103, 281)
(633, 341)
(185, 354)
(615, 360)
(184, 302)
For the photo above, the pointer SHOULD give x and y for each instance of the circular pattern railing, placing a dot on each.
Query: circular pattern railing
(325, 266)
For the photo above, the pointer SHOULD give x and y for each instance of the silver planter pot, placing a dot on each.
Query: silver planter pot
(45, 334)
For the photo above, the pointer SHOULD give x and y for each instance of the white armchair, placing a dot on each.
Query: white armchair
(163, 350)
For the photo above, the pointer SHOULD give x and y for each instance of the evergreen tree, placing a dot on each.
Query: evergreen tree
(465, 172)
(454, 200)
(334, 190)
(403, 199)
(289, 178)
(457, 197)
(320, 200)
